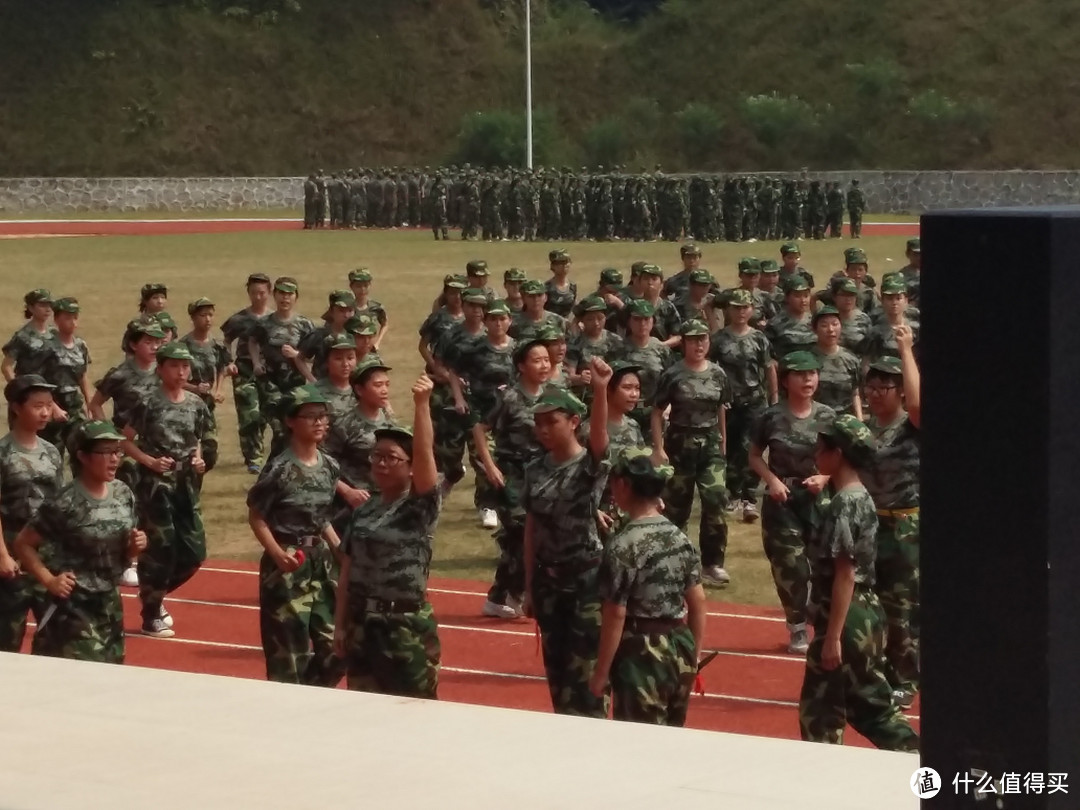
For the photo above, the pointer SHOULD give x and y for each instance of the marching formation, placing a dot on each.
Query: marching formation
(589, 419)
(600, 204)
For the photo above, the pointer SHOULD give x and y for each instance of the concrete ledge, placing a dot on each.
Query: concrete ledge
(97, 736)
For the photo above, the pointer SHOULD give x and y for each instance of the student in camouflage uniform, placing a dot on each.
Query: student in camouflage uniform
(856, 206)
(790, 330)
(697, 392)
(31, 473)
(554, 341)
(844, 680)
(314, 347)
(273, 343)
(560, 292)
(790, 254)
(892, 390)
(509, 421)
(855, 268)
(476, 278)
(649, 354)
(593, 340)
(65, 365)
(170, 426)
(840, 378)
(749, 280)
(653, 604)
(696, 304)
(23, 353)
(363, 330)
(788, 430)
(335, 385)
(385, 627)
(210, 363)
(360, 285)
(676, 286)
(250, 422)
(289, 513)
(450, 426)
(854, 323)
(881, 339)
(526, 324)
(745, 356)
(561, 495)
(89, 532)
(512, 280)
(666, 320)
(912, 271)
(772, 293)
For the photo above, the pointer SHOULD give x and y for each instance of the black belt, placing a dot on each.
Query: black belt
(390, 606)
(638, 624)
(307, 541)
(571, 568)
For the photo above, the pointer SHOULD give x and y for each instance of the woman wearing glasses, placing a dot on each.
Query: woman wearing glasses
(384, 626)
(90, 529)
(289, 510)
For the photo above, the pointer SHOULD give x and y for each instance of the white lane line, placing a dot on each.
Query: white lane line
(450, 592)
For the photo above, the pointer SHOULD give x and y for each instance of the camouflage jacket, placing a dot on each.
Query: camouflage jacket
(695, 397)
(893, 478)
(28, 478)
(745, 359)
(562, 500)
(295, 499)
(648, 568)
(791, 441)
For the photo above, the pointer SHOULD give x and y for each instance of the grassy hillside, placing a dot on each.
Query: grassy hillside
(105, 87)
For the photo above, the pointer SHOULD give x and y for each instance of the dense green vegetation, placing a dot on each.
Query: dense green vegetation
(104, 87)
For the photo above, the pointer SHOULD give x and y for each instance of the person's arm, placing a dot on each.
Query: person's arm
(778, 490)
(612, 622)
(530, 563)
(88, 395)
(26, 550)
(856, 405)
(842, 590)
(286, 562)
(8, 566)
(330, 535)
(656, 423)
(457, 390)
(341, 606)
(494, 475)
(696, 612)
(257, 362)
(598, 421)
(910, 369)
(425, 475)
(158, 465)
(772, 381)
(721, 420)
(8, 367)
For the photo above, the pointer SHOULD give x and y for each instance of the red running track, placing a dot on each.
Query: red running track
(155, 227)
(751, 688)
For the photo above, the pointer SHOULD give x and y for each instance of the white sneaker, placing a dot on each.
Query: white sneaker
(130, 577)
(715, 575)
(517, 605)
(157, 629)
(800, 639)
(166, 617)
(749, 512)
(497, 611)
(488, 519)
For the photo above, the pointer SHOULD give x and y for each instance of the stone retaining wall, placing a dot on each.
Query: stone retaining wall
(886, 192)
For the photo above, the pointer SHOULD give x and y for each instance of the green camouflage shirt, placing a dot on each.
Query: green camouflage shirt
(676, 286)
(389, 546)
(561, 302)
(127, 385)
(27, 348)
(313, 348)
(238, 328)
(373, 309)
(522, 328)
(838, 380)
(893, 478)
(339, 400)
(167, 428)
(350, 440)
(791, 441)
(28, 478)
(853, 332)
(762, 305)
(648, 568)
(695, 397)
(293, 498)
(64, 366)
(881, 342)
(745, 359)
(786, 334)
(486, 368)
(562, 500)
(848, 529)
(436, 327)
(88, 536)
(512, 424)
(270, 335)
(208, 360)
(622, 434)
(581, 350)
(653, 358)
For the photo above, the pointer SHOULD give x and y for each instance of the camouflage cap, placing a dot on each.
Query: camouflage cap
(521, 349)
(611, 276)
(795, 283)
(845, 285)
(498, 307)
(474, 296)
(555, 398)
(641, 308)
(362, 325)
(701, 277)
(854, 255)
(360, 274)
(174, 351)
(888, 365)
(694, 328)
(341, 341)
(154, 288)
(592, 303)
(70, 305)
(38, 296)
(477, 267)
(96, 430)
(748, 264)
(893, 285)
(789, 247)
(395, 433)
(286, 284)
(636, 268)
(620, 367)
(558, 256)
(197, 304)
(800, 361)
(739, 298)
(636, 464)
(769, 266)
(23, 384)
(823, 312)
(914, 245)
(342, 298)
(165, 321)
(549, 333)
(651, 270)
(515, 274)
(365, 367)
(532, 287)
(852, 436)
(148, 327)
(690, 249)
(301, 396)
(454, 282)
(258, 278)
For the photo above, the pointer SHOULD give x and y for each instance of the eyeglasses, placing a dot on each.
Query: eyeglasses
(389, 459)
(115, 453)
(314, 418)
(879, 389)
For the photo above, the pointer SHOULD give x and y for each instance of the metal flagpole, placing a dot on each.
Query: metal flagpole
(528, 86)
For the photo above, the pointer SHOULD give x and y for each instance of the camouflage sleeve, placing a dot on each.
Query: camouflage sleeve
(135, 418)
(266, 490)
(664, 384)
(837, 539)
(51, 519)
(12, 348)
(305, 327)
(760, 431)
(308, 345)
(764, 350)
(223, 356)
(693, 567)
(380, 312)
(728, 395)
(427, 329)
(204, 423)
(616, 577)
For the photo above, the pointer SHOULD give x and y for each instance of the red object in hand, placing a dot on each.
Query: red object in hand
(299, 556)
(699, 684)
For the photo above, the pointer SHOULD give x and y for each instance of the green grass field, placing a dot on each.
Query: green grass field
(105, 274)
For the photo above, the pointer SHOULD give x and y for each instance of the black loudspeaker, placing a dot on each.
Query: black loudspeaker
(1000, 503)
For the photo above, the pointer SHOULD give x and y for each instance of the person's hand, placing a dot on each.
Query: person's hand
(198, 464)
(778, 491)
(816, 483)
(601, 372)
(231, 370)
(59, 414)
(422, 389)
(606, 521)
(659, 457)
(586, 377)
(355, 497)
(61, 585)
(161, 465)
(461, 406)
(286, 561)
(495, 476)
(9, 566)
(905, 338)
(830, 654)
(136, 542)
(219, 398)
(598, 683)
(289, 352)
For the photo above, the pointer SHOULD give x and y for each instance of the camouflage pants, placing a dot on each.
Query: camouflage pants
(86, 627)
(18, 595)
(510, 570)
(271, 396)
(568, 614)
(296, 620)
(451, 432)
(742, 482)
(485, 495)
(651, 677)
(250, 422)
(856, 223)
(209, 442)
(171, 516)
(897, 586)
(784, 530)
(393, 654)
(697, 460)
(857, 691)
